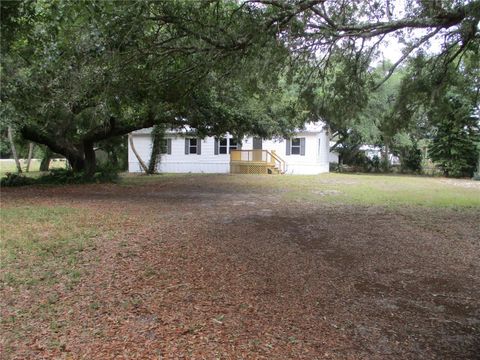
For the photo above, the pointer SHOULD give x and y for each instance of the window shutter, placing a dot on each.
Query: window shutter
(187, 146)
(287, 150)
(169, 146)
(302, 146)
(216, 146)
(199, 146)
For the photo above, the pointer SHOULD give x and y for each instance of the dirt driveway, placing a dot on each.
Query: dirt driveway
(199, 268)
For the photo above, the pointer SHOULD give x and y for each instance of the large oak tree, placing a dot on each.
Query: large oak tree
(77, 73)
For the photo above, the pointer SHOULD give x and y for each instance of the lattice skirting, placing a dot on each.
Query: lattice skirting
(249, 168)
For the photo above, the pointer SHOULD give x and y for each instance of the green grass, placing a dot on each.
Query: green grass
(45, 252)
(9, 166)
(385, 190)
(333, 188)
(41, 245)
(132, 179)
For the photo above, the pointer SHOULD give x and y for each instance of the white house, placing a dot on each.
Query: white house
(307, 152)
(372, 151)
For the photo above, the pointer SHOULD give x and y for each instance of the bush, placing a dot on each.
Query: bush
(411, 158)
(106, 173)
(375, 163)
(12, 179)
(61, 177)
(334, 167)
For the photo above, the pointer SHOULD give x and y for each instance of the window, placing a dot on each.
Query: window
(222, 146)
(233, 145)
(226, 145)
(296, 146)
(193, 146)
(166, 146)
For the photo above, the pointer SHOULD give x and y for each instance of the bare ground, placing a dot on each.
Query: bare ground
(202, 269)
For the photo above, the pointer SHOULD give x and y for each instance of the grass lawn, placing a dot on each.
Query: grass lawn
(344, 189)
(239, 266)
(8, 165)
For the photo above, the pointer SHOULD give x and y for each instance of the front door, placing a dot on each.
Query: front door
(257, 149)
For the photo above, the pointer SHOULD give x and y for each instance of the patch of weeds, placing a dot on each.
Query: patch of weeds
(74, 274)
(292, 340)
(195, 328)
(56, 344)
(38, 238)
(73, 278)
(133, 302)
(10, 319)
(98, 333)
(95, 305)
(42, 246)
(150, 272)
(130, 253)
(10, 279)
(49, 277)
(55, 326)
(46, 310)
(255, 342)
(52, 299)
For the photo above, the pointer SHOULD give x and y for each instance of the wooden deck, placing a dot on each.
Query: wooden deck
(256, 162)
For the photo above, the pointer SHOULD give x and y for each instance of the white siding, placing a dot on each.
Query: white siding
(333, 157)
(315, 160)
(178, 161)
(143, 146)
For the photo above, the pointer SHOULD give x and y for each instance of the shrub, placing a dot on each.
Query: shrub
(106, 173)
(334, 167)
(375, 163)
(61, 177)
(411, 158)
(12, 179)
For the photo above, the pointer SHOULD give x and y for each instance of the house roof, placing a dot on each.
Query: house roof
(310, 127)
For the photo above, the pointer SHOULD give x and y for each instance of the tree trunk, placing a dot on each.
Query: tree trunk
(76, 163)
(90, 161)
(158, 135)
(140, 161)
(112, 158)
(476, 175)
(45, 163)
(30, 153)
(14, 149)
(385, 157)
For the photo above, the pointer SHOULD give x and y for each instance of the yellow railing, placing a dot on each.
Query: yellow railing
(261, 159)
(280, 163)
